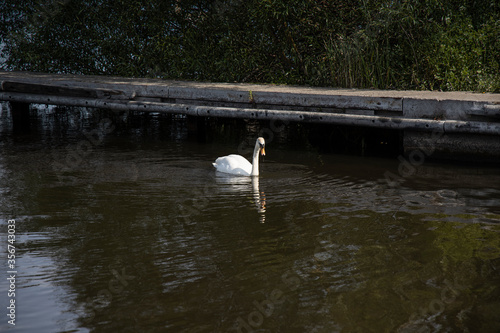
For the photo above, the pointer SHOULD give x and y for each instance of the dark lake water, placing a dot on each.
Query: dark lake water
(125, 226)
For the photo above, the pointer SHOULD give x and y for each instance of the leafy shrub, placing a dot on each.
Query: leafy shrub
(423, 44)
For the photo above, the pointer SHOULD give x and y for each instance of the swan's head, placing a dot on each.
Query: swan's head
(262, 144)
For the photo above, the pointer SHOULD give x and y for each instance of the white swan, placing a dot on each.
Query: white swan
(238, 165)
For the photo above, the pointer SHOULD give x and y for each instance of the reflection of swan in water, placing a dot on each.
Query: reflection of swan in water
(259, 199)
(238, 165)
(242, 185)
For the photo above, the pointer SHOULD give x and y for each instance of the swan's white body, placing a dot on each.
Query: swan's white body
(238, 165)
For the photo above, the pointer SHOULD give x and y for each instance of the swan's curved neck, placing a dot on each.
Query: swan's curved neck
(255, 160)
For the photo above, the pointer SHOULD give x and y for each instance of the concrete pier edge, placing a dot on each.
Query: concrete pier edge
(469, 123)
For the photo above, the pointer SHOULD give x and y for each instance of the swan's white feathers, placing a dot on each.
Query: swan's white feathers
(235, 164)
(238, 165)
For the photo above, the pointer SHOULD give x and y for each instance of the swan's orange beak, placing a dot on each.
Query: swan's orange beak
(262, 151)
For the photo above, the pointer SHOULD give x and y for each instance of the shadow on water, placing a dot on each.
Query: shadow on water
(123, 226)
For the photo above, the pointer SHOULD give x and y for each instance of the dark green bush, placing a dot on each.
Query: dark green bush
(423, 44)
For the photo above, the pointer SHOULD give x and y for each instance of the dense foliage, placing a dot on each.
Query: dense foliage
(422, 44)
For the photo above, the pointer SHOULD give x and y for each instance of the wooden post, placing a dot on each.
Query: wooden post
(20, 116)
(202, 123)
(197, 126)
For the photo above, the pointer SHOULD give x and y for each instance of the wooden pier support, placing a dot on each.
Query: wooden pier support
(20, 116)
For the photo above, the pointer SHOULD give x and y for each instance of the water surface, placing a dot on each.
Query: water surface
(131, 230)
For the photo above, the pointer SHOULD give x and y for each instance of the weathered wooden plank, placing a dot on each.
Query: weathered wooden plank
(459, 118)
(413, 101)
(385, 109)
(399, 123)
(294, 99)
(55, 90)
(192, 95)
(448, 109)
(489, 110)
(330, 99)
